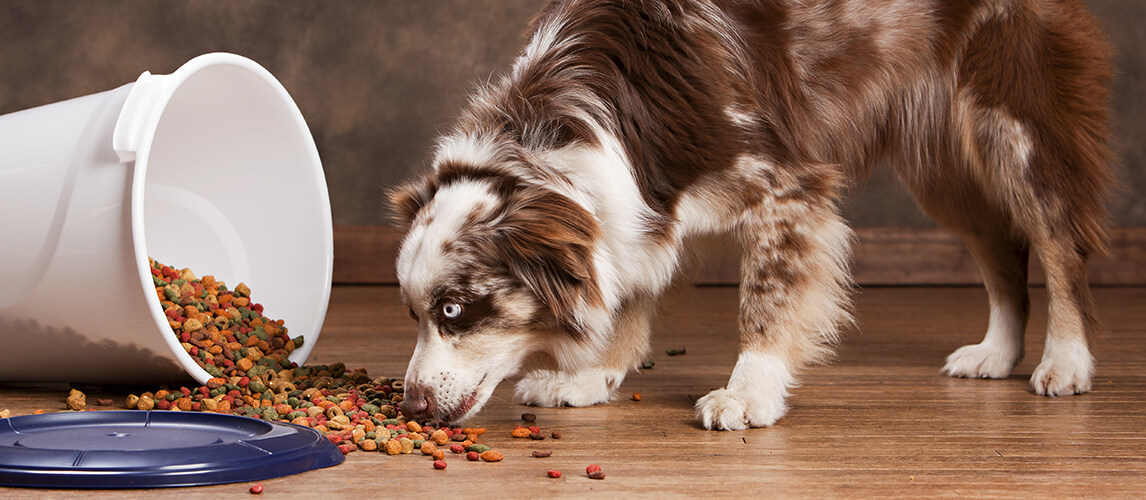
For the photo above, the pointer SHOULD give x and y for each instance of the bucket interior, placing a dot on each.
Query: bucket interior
(232, 186)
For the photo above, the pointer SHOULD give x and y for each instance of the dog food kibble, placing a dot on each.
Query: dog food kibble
(675, 352)
(5, 413)
(542, 453)
(594, 472)
(247, 356)
(520, 432)
(553, 473)
(528, 417)
(491, 456)
(439, 464)
(636, 396)
(648, 365)
(555, 434)
(473, 456)
(76, 400)
(257, 489)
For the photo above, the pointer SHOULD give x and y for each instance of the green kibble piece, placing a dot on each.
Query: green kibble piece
(257, 387)
(158, 281)
(173, 396)
(213, 370)
(269, 414)
(295, 414)
(480, 448)
(267, 395)
(390, 412)
(371, 435)
(370, 409)
(391, 421)
(418, 443)
(297, 341)
(292, 401)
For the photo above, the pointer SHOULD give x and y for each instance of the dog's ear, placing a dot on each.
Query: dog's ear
(408, 199)
(549, 240)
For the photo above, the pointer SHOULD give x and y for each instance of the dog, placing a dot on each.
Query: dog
(561, 205)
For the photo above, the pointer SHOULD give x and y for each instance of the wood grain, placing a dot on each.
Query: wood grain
(882, 256)
(878, 422)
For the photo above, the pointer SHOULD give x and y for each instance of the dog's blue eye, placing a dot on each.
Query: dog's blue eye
(451, 310)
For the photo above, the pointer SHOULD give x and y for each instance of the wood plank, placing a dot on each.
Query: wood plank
(882, 256)
(879, 422)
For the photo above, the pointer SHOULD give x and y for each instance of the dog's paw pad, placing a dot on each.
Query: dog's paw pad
(981, 361)
(552, 388)
(728, 410)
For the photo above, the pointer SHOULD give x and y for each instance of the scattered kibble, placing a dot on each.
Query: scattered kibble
(536, 436)
(553, 473)
(528, 417)
(257, 489)
(520, 432)
(473, 456)
(594, 472)
(555, 434)
(104, 402)
(247, 353)
(439, 464)
(636, 396)
(675, 352)
(648, 365)
(76, 400)
(542, 453)
(5, 413)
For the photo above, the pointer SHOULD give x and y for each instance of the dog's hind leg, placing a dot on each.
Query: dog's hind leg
(598, 382)
(793, 296)
(1002, 254)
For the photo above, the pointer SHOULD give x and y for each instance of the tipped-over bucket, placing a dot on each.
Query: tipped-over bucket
(210, 168)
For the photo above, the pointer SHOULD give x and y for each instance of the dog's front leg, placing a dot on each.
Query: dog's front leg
(793, 298)
(596, 381)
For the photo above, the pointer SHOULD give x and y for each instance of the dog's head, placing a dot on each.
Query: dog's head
(493, 270)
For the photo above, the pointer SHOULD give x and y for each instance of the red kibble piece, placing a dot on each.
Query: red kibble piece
(592, 468)
(553, 474)
(439, 464)
(534, 429)
(345, 448)
(257, 489)
(473, 456)
(457, 448)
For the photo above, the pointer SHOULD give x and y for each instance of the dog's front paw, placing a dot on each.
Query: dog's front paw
(1064, 372)
(554, 388)
(981, 361)
(729, 410)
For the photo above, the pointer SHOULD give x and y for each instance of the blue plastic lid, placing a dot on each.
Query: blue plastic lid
(153, 449)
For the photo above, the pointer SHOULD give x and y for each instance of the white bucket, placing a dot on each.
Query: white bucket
(211, 168)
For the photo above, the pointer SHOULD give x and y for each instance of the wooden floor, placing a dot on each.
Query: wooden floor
(878, 422)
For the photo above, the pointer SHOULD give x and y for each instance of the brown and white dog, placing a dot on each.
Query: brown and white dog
(558, 209)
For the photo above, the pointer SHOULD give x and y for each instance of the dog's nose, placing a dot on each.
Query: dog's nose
(415, 405)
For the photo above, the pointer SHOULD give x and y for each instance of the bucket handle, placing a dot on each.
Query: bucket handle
(135, 115)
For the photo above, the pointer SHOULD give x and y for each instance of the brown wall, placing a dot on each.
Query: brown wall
(376, 79)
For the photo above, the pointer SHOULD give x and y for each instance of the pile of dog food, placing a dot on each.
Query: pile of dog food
(247, 355)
